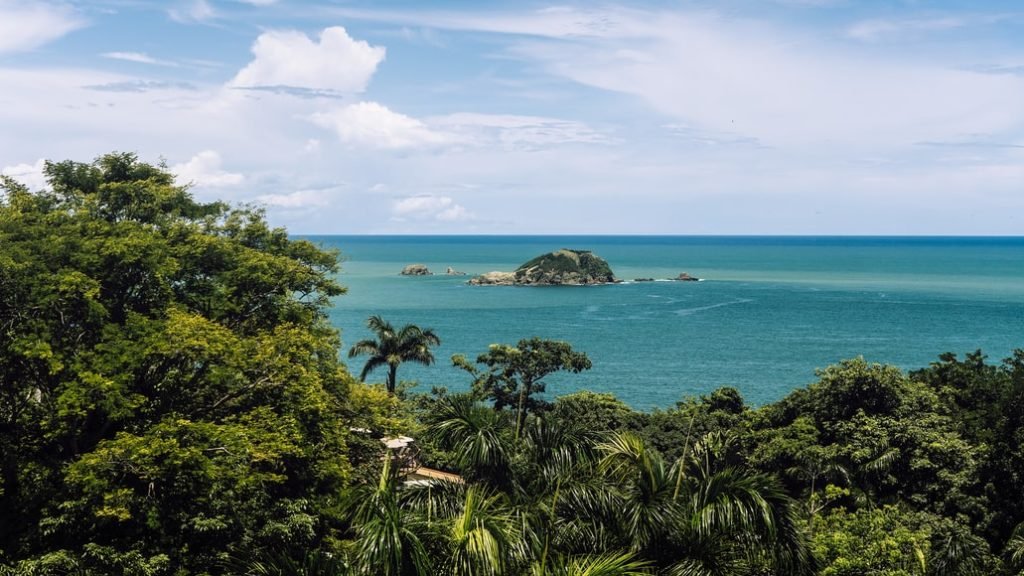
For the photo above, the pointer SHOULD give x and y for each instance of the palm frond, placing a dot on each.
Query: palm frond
(1015, 547)
(593, 565)
(484, 537)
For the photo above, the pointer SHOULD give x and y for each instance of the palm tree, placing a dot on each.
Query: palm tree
(701, 515)
(392, 347)
(593, 565)
(388, 540)
(471, 529)
(1015, 548)
(269, 563)
(478, 436)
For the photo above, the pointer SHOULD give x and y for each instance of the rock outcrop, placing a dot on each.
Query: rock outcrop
(685, 277)
(416, 270)
(494, 279)
(453, 272)
(560, 268)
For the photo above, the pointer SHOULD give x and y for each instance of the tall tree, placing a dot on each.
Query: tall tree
(169, 382)
(511, 375)
(392, 347)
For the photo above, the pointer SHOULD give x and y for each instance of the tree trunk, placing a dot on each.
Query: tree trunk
(392, 374)
(521, 410)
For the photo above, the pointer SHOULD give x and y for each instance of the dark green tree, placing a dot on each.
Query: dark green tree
(392, 347)
(511, 375)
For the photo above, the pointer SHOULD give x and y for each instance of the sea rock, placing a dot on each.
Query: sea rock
(453, 272)
(560, 268)
(685, 277)
(494, 279)
(643, 280)
(416, 270)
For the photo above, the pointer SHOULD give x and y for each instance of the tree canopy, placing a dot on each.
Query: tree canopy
(169, 384)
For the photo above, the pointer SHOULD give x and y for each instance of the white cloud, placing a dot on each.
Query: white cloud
(518, 132)
(289, 58)
(741, 126)
(189, 11)
(878, 29)
(312, 146)
(204, 169)
(28, 25)
(31, 175)
(429, 207)
(139, 58)
(374, 125)
(758, 81)
(297, 199)
(453, 214)
(555, 21)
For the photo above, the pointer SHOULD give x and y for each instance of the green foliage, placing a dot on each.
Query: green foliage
(881, 541)
(672, 431)
(511, 375)
(564, 264)
(594, 411)
(895, 541)
(890, 435)
(169, 383)
(410, 343)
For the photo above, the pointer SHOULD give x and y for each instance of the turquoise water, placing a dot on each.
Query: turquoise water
(771, 311)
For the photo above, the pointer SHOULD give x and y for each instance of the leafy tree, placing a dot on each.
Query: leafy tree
(672, 431)
(878, 541)
(987, 403)
(511, 375)
(169, 383)
(894, 540)
(595, 411)
(392, 347)
(891, 435)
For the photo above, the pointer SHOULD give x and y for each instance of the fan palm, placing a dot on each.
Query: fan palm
(392, 347)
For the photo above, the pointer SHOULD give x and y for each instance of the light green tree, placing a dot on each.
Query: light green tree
(169, 384)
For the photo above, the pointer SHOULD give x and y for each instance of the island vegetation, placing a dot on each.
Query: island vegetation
(172, 402)
(563, 267)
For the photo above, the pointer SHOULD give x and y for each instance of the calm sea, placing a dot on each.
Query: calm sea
(770, 312)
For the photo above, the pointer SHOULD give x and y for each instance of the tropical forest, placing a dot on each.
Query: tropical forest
(174, 401)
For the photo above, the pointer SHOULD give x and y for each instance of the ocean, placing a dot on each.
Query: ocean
(770, 311)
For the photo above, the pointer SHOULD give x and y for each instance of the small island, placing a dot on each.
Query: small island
(563, 267)
(416, 270)
(685, 277)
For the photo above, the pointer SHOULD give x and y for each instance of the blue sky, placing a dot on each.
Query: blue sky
(686, 117)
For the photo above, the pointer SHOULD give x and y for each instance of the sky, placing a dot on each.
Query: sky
(640, 117)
